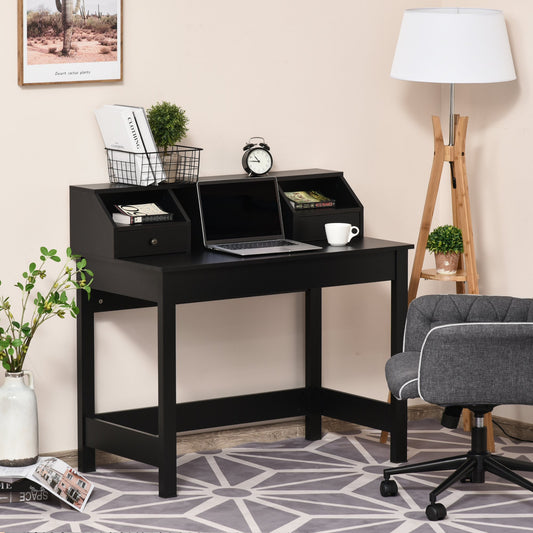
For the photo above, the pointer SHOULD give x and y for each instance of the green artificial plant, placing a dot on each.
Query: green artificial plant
(17, 334)
(168, 123)
(445, 240)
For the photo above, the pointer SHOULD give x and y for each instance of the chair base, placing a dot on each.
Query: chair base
(470, 467)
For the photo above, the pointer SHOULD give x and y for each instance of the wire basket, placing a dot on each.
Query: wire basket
(176, 164)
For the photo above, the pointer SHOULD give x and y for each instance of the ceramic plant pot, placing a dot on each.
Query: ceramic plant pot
(19, 438)
(446, 263)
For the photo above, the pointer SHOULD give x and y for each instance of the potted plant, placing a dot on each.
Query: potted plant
(19, 443)
(446, 242)
(168, 123)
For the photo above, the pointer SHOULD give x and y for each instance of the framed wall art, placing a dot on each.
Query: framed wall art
(69, 41)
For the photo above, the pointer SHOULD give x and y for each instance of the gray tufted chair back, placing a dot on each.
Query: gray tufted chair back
(466, 350)
(426, 312)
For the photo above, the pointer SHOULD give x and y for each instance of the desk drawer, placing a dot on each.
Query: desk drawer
(151, 239)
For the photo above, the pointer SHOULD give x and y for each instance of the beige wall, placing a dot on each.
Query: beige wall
(312, 77)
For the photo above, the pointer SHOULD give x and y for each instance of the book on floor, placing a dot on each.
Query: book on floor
(48, 474)
(16, 484)
(23, 490)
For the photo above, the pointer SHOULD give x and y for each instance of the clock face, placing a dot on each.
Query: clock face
(259, 161)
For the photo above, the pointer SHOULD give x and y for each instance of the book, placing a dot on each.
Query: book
(47, 476)
(32, 494)
(17, 485)
(140, 213)
(153, 158)
(309, 200)
(126, 131)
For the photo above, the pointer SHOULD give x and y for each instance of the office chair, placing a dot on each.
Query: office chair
(464, 350)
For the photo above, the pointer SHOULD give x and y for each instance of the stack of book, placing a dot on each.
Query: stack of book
(49, 475)
(140, 213)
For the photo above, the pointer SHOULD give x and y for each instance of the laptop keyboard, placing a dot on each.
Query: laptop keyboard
(256, 244)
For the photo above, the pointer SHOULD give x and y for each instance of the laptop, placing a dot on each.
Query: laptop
(243, 217)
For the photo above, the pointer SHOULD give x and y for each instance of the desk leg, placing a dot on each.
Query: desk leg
(85, 377)
(313, 362)
(166, 348)
(398, 411)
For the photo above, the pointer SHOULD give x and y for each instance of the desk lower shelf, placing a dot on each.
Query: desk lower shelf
(133, 433)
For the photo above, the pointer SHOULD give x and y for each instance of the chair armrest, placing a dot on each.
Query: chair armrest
(478, 363)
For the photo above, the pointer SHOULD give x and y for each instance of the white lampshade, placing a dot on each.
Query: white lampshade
(453, 45)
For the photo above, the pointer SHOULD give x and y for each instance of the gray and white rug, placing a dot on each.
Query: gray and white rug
(294, 486)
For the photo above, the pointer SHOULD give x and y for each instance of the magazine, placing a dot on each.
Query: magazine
(54, 475)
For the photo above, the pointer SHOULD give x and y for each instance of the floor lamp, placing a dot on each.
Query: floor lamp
(451, 45)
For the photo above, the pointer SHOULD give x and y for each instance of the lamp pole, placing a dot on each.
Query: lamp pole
(451, 130)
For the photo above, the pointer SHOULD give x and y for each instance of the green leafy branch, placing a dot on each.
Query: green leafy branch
(17, 334)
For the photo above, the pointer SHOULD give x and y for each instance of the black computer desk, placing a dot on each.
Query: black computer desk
(149, 434)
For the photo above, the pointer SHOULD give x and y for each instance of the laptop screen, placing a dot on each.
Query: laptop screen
(247, 209)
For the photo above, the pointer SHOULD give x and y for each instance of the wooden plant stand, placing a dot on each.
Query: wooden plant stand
(455, 155)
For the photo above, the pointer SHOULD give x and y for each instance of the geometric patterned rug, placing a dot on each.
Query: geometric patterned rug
(294, 486)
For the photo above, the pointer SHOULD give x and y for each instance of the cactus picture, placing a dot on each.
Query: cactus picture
(70, 32)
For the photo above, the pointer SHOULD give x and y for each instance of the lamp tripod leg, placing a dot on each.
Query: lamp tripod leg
(429, 208)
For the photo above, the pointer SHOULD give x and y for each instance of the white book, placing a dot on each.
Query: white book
(150, 148)
(125, 129)
(118, 126)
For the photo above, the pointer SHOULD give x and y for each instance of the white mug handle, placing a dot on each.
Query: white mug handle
(354, 231)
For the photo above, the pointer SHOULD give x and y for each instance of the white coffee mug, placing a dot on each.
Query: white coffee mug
(340, 234)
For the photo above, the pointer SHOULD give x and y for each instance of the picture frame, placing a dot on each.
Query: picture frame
(89, 51)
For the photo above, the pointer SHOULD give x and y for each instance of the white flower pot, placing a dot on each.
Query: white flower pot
(19, 438)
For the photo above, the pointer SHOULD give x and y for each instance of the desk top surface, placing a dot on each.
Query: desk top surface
(204, 275)
(209, 259)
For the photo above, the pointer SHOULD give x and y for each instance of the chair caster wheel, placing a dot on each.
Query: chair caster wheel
(388, 487)
(435, 511)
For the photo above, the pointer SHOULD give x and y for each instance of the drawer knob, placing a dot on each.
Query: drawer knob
(154, 241)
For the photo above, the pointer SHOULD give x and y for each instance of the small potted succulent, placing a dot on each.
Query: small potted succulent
(446, 242)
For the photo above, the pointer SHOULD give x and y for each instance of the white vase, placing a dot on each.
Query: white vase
(19, 438)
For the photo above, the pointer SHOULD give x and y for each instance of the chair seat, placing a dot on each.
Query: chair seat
(401, 372)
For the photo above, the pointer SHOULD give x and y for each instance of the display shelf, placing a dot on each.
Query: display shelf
(308, 224)
(431, 274)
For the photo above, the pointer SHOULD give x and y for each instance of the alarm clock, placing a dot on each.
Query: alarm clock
(257, 159)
